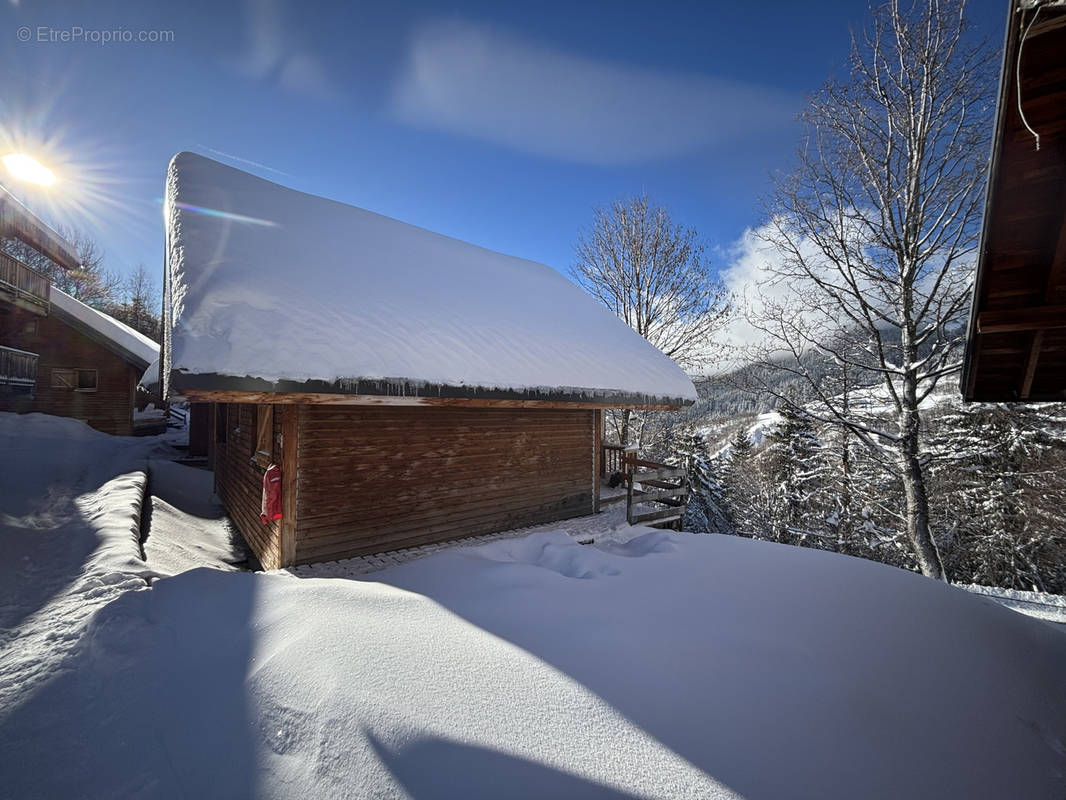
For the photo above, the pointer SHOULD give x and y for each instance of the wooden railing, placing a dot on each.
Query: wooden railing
(24, 282)
(17, 367)
(665, 487)
(613, 458)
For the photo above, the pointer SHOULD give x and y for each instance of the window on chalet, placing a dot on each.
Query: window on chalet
(264, 435)
(87, 380)
(221, 422)
(82, 380)
(64, 378)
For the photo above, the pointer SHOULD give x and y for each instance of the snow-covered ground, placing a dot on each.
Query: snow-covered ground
(650, 664)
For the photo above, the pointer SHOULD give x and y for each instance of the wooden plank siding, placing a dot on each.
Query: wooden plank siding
(239, 480)
(376, 479)
(362, 480)
(108, 407)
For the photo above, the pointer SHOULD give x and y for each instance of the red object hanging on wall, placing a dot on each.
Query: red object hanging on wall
(271, 505)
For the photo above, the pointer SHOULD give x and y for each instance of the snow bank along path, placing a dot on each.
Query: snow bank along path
(70, 503)
(670, 665)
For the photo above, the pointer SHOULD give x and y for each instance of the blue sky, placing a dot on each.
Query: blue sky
(503, 124)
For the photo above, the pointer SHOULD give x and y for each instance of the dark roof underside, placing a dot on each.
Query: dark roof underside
(183, 382)
(1016, 348)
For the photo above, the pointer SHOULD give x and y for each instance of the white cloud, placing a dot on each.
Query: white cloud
(274, 54)
(477, 81)
(750, 279)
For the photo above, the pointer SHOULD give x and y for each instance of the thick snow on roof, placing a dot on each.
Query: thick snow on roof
(267, 282)
(134, 344)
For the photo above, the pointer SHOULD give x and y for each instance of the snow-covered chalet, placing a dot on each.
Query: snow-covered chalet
(411, 387)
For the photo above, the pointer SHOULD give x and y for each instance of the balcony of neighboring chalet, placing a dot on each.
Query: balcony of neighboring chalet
(22, 286)
(18, 370)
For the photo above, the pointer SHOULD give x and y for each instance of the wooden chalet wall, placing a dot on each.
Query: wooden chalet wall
(380, 478)
(199, 428)
(239, 481)
(108, 408)
(366, 479)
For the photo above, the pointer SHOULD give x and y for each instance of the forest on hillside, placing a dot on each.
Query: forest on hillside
(996, 477)
(834, 419)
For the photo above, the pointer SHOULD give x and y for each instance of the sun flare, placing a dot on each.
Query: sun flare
(29, 169)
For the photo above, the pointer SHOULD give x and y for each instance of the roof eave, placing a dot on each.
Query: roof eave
(969, 372)
(89, 332)
(401, 391)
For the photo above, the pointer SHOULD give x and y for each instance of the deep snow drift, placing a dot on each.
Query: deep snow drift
(651, 664)
(672, 665)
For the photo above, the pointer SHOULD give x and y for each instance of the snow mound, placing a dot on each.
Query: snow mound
(664, 665)
(271, 283)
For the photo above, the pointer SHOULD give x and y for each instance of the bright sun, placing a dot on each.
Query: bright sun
(29, 169)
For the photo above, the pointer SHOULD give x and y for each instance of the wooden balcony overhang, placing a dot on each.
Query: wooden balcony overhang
(23, 286)
(19, 222)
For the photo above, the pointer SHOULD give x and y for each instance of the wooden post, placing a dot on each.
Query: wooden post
(290, 443)
(597, 454)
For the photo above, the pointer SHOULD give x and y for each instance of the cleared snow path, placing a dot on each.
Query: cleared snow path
(186, 525)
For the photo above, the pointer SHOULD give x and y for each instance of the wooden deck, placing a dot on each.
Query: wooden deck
(655, 494)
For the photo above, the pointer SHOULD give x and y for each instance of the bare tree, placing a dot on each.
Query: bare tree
(653, 274)
(91, 282)
(139, 303)
(875, 232)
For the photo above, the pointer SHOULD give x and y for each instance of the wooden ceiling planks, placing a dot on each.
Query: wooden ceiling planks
(1016, 345)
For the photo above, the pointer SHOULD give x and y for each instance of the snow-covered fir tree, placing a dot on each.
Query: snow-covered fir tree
(999, 479)
(706, 512)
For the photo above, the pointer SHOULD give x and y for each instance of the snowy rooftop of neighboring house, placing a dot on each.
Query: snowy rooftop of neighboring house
(135, 347)
(17, 220)
(276, 290)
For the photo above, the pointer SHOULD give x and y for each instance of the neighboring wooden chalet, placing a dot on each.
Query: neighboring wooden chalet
(88, 364)
(25, 293)
(411, 387)
(1016, 348)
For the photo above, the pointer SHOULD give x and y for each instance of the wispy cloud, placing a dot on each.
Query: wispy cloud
(490, 85)
(275, 54)
(239, 160)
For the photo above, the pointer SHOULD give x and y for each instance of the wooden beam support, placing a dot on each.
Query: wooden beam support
(1030, 364)
(311, 398)
(597, 454)
(290, 444)
(1056, 279)
(1035, 318)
